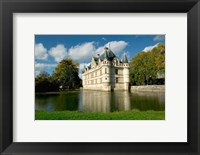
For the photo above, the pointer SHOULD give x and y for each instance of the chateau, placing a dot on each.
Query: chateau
(106, 72)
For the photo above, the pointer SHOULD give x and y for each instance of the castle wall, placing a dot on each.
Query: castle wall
(106, 77)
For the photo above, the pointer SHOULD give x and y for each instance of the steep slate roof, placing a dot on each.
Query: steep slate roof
(96, 59)
(89, 66)
(108, 54)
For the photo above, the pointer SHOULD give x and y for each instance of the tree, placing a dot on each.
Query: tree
(66, 74)
(160, 57)
(42, 82)
(145, 66)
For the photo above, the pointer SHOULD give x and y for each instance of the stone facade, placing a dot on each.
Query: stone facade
(106, 72)
(148, 88)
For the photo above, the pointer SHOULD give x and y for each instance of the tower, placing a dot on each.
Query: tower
(125, 71)
(106, 71)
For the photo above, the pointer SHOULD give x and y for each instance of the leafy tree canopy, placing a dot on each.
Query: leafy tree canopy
(66, 73)
(65, 76)
(145, 66)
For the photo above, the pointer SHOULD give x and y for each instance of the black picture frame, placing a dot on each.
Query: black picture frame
(8, 7)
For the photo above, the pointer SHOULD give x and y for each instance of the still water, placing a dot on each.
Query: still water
(100, 101)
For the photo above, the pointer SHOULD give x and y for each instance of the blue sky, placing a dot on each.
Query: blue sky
(51, 49)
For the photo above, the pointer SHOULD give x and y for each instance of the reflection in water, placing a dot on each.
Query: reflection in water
(99, 101)
(57, 102)
(95, 101)
(148, 101)
(121, 100)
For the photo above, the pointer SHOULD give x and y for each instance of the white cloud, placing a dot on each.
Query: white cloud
(81, 66)
(43, 66)
(99, 50)
(40, 52)
(149, 48)
(116, 46)
(82, 52)
(58, 53)
(40, 67)
(159, 38)
(37, 73)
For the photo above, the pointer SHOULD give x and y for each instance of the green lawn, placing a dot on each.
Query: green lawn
(76, 115)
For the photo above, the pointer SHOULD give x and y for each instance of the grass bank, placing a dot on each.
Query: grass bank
(76, 115)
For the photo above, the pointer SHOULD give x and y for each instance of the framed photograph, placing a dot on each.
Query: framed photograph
(94, 78)
(117, 77)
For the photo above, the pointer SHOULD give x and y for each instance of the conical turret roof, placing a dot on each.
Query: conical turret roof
(124, 58)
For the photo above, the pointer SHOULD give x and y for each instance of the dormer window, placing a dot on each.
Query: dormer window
(117, 62)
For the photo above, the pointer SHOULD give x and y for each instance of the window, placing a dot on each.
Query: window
(116, 71)
(105, 78)
(117, 80)
(105, 70)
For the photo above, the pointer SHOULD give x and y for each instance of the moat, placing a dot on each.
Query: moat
(100, 101)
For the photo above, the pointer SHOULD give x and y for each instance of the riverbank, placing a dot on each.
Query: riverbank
(57, 92)
(148, 88)
(76, 115)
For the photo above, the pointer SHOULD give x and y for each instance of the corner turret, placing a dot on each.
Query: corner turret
(124, 58)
